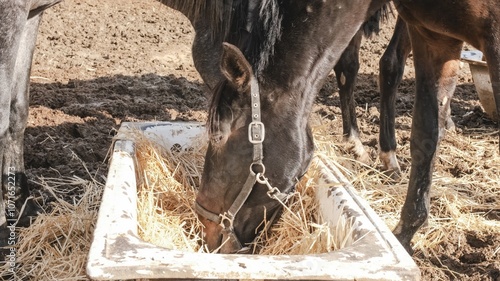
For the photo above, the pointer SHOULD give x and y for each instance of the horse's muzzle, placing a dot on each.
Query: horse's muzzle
(217, 239)
(229, 243)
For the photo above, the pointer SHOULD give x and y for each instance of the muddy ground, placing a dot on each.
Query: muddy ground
(99, 63)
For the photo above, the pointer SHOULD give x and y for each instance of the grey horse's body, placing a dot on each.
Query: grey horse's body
(18, 30)
(19, 22)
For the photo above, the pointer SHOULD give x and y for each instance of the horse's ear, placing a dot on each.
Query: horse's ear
(235, 67)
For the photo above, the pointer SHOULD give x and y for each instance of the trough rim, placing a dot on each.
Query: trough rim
(118, 253)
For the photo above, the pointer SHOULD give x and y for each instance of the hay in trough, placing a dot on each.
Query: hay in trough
(301, 230)
(166, 215)
(167, 181)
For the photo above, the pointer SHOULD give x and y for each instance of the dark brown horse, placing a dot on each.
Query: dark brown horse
(212, 21)
(247, 170)
(260, 140)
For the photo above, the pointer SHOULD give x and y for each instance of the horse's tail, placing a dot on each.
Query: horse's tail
(372, 25)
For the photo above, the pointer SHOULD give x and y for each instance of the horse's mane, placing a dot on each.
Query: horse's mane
(254, 26)
(213, 114)
(255, 29)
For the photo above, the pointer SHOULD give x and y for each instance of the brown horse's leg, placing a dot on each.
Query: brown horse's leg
(436, 65)
(492, 53)
(346, 71)
(392, 65)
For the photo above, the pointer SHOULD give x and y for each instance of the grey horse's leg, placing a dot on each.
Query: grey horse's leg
(13, 22)
(19, 115)
(17, 55)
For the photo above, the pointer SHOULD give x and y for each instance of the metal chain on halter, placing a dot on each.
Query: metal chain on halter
(273, 192)
(256, 135)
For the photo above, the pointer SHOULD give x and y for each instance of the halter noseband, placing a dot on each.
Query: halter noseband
(256, 134)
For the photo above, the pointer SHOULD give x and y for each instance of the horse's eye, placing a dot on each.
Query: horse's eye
(271, 97)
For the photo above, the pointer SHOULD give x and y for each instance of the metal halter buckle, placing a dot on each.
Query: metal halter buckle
(256, 132)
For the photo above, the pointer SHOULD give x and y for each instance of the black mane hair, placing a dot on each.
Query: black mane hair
(255, 29)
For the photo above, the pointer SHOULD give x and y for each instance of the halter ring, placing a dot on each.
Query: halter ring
(226, 217)
(263, 169)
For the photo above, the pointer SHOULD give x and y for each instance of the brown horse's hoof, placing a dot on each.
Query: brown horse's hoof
(359, 151)
(405, 243)
(450, 125)
(390, 165)
(364, 158)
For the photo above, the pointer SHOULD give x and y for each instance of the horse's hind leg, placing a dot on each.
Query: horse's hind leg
(492, 54)
(346, 71)
(436, 68)
(392, 64)
(16, 64)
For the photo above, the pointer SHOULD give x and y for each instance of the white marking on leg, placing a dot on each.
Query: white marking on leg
(342, 79)
(389, 161)
(358, 149)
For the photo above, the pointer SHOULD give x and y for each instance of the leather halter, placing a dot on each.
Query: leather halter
(256, 134)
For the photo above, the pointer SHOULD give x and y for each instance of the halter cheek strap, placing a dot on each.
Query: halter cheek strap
(256, 134)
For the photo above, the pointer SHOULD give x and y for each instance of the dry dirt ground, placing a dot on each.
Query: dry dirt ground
(100, 62)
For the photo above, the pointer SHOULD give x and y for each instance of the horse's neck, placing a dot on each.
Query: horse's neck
(215, 13)
(313, 39)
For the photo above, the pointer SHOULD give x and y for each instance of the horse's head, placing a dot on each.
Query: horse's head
(256, 133)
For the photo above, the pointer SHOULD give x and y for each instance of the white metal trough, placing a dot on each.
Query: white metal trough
(117, 252)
